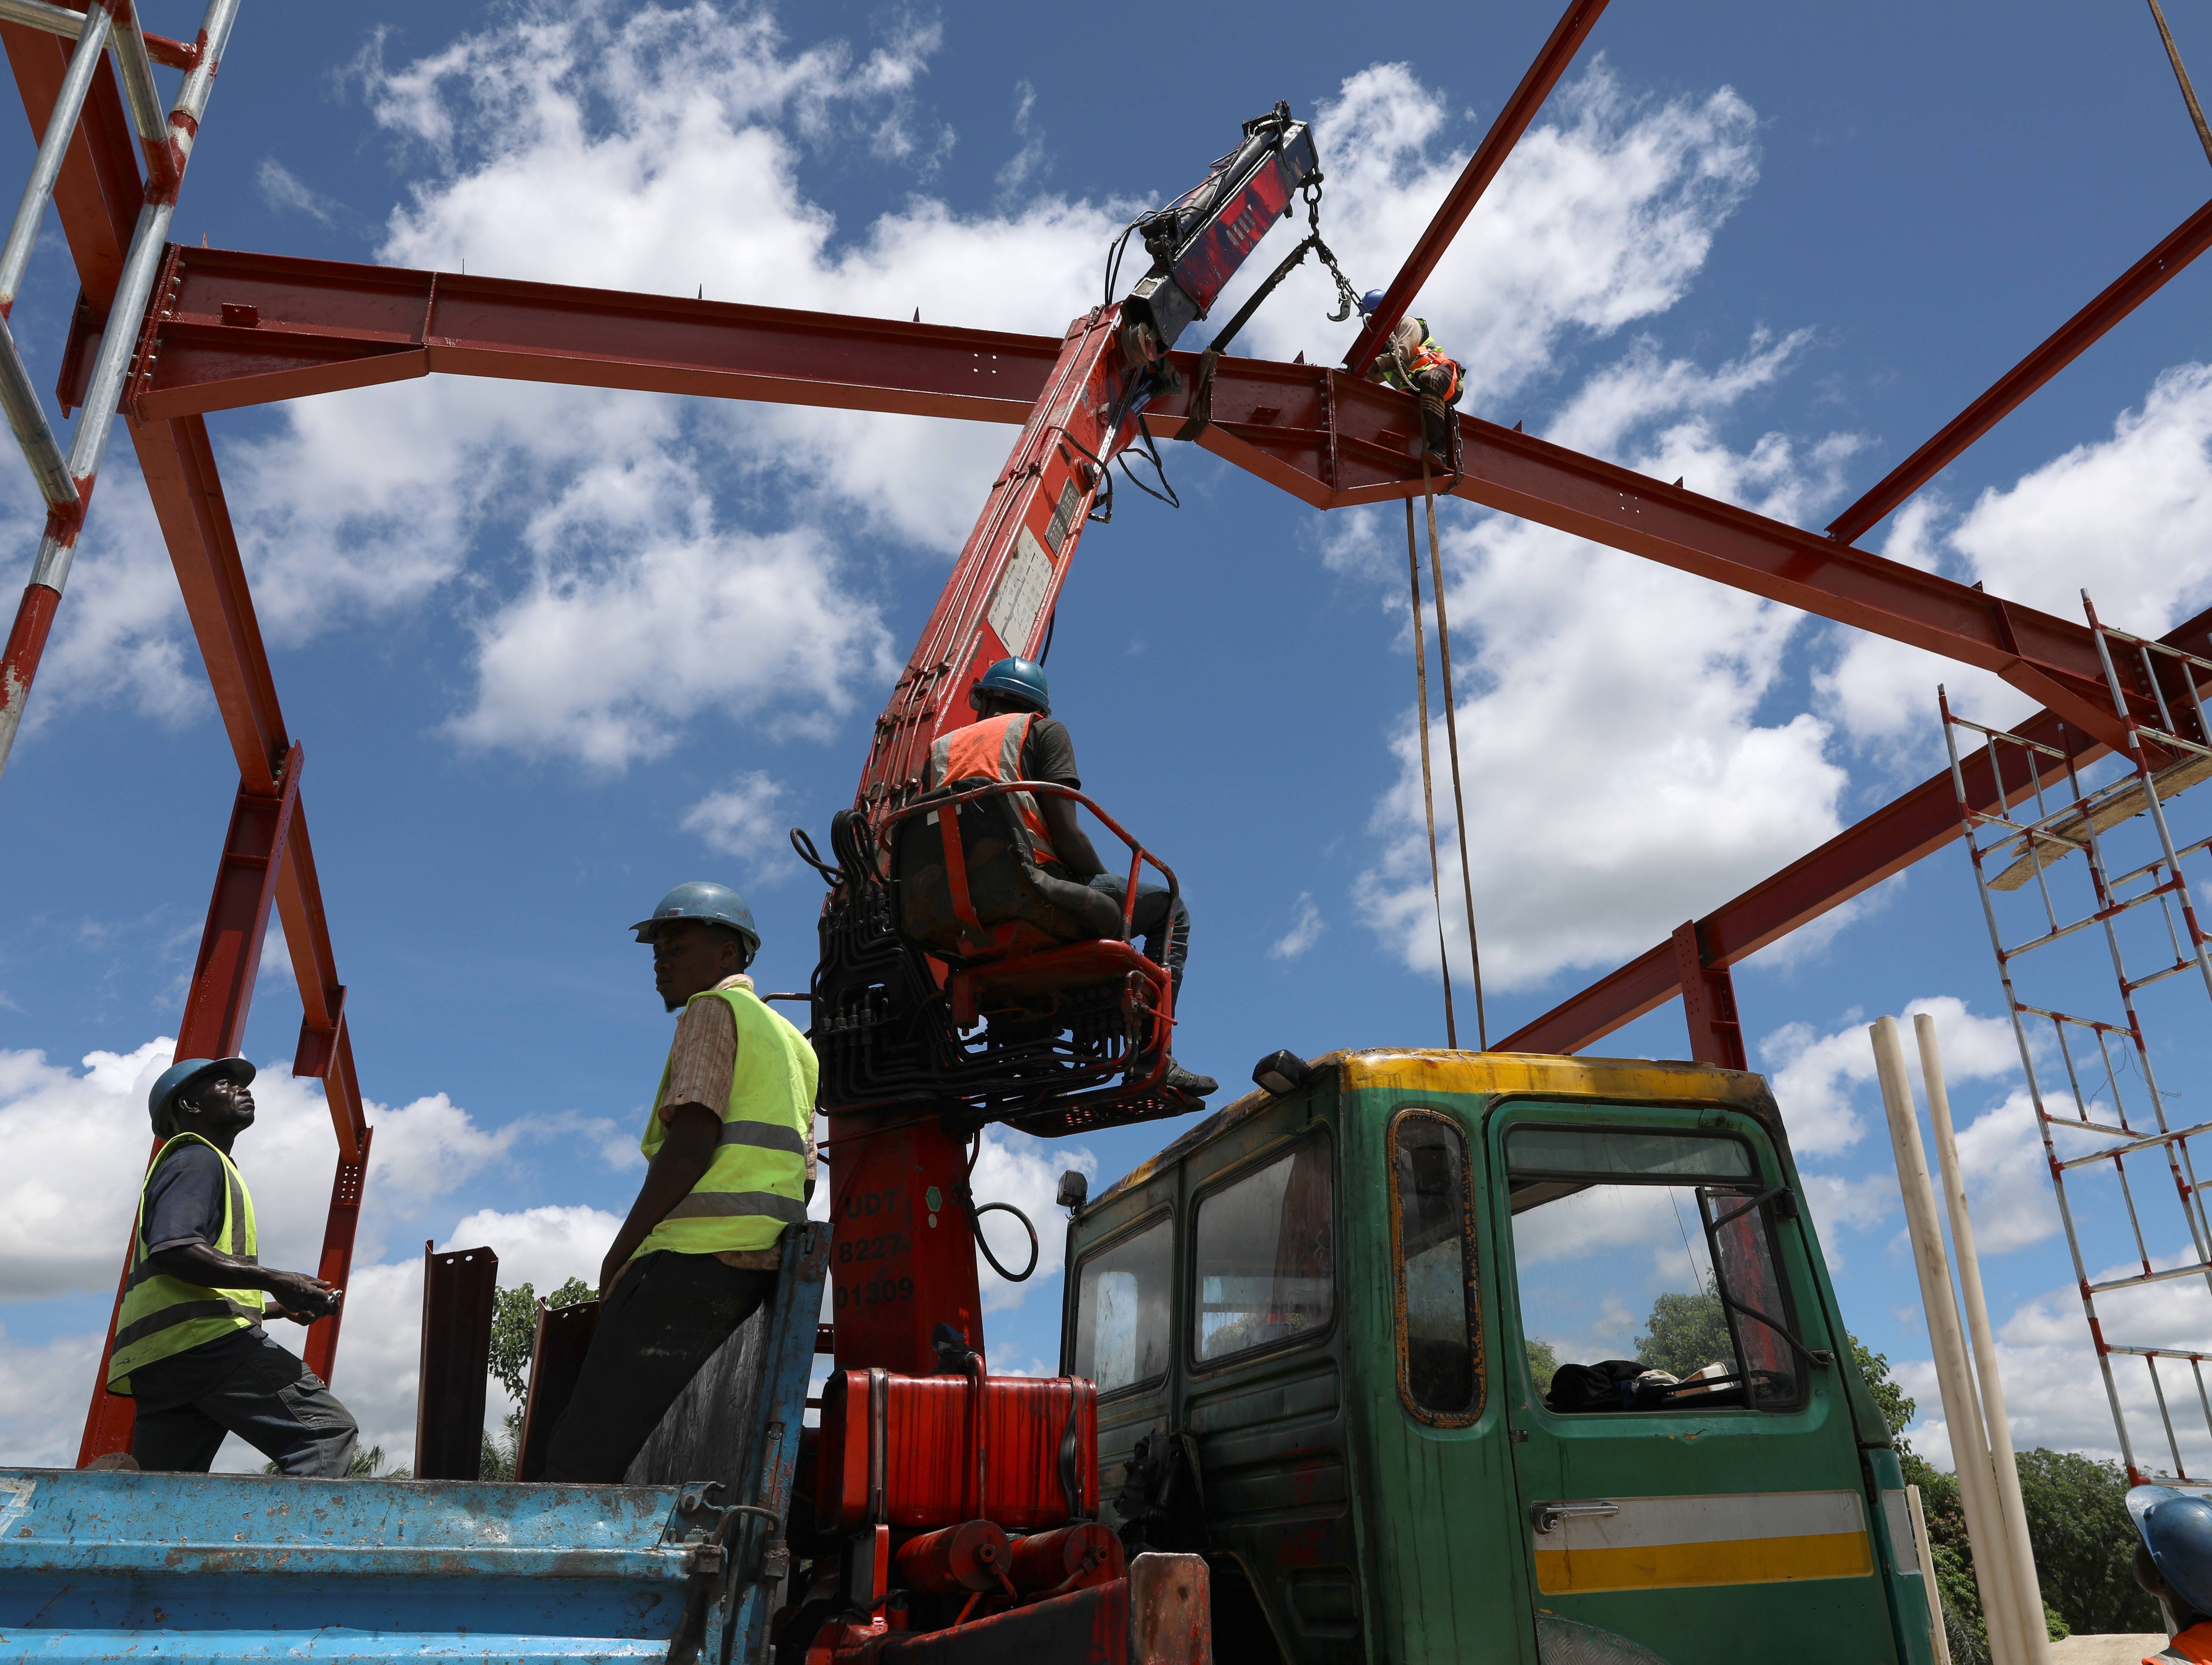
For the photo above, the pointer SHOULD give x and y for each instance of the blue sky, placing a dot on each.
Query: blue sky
(550, 650)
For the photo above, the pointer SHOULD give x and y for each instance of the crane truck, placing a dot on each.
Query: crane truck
(1305, 1411)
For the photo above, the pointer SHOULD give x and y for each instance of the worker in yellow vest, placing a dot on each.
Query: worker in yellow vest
(1015, 737)
(189, 1346)
(730, 1138)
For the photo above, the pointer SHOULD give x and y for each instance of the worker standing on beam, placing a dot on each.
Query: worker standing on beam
(189, 1346)
(730, 1138)
(1412, 362)
(1015, 730)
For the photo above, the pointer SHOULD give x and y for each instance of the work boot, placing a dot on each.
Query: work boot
(1188, 1082)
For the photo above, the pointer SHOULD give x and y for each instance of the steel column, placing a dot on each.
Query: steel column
(216, 1007)
(1708, 1003)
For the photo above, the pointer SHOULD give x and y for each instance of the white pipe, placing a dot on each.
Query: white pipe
(1926, 1552)
(1962, 1414)
(2028, 1589)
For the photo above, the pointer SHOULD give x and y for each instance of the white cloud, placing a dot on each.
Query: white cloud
(281, 188)
(746, 820)
(1603, 216)
(43, 1392)
(1821, 1081)
(1306, 928)
(1013, 1168)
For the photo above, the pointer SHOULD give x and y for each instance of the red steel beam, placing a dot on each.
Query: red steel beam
(1893, 838)
(2135, 286)
(1567, 37)
(232, 329)
(1708, 1002)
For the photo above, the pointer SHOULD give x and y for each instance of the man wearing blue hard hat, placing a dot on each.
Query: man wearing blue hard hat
(729, 1141)
(2173, 1562)
(1016, 737)
(1412, 362)
(189, 1346)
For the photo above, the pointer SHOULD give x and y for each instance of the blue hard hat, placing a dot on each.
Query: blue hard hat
(1021, 680)
(185, 1074)
(2176, 1530)
(708, 902)
(1370, 303)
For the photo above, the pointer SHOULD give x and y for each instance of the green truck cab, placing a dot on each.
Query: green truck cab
(1310, 1319)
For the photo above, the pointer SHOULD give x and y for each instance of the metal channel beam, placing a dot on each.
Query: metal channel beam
(234, 329)
(1893, 838)
(1566, 39)
(461, 1290)
(2130, 290)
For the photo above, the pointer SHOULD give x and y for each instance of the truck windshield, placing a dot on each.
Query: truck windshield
(1266, 1255)
(1122, 1325)
(1646, 1272)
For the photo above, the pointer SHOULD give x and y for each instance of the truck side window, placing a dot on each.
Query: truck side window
(1122, 1310)
(1267, 1256)
(1432, 1231)
(1646, 1271)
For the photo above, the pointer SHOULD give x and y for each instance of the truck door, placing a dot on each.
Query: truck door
(1688, 1480)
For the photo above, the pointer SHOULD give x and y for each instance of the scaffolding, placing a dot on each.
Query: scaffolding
(2112, 949)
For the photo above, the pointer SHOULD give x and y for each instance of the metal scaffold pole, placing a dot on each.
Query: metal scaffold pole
(66, 483)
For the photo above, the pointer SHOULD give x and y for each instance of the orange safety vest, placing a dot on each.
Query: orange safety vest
(991, 751)
(2193, 1644)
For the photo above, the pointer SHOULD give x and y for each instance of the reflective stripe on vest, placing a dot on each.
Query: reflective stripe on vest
(991, 751)
(161, 1314)
(756, 1183)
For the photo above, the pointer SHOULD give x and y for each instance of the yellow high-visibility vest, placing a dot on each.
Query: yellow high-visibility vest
(757, 1184)
(161, 1314)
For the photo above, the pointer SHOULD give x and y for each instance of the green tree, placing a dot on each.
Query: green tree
(1685, 1333)
(513, 1337)
(1543, 1365)
(2078, 1531)
(2085, 1544)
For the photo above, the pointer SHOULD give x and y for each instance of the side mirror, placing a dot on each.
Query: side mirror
(1075, 1191)
(1281, 1073)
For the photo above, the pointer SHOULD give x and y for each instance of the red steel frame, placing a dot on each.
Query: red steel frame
(228, 330)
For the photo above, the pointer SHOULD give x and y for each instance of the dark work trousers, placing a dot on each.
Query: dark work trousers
(665, 1318)
(1154, 914)
(266, 1396)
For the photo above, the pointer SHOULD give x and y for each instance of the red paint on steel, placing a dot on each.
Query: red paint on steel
(1567, 37)
(901, 1267)
(971, 1556)
(110, 1418)
(335, 1265)
(222, 991)
(1884, 843)
(27, 644)
(98, 194)
(326, 324)
(2130, 290)
(1708, 1003)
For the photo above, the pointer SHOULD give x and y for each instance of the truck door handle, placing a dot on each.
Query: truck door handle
(1546, 1516)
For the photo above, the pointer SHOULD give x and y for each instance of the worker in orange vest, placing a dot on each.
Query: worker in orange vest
(1016, 737)
(1412, 362)
(2173, 1562)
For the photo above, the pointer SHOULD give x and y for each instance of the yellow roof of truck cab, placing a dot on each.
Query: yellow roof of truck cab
(1400, 1069)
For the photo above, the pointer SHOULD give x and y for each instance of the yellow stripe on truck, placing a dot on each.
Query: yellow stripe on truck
(1684, 1542)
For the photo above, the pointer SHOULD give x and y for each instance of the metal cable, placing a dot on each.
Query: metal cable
(1451, 739)
(2188, 92)
(1428, 788)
